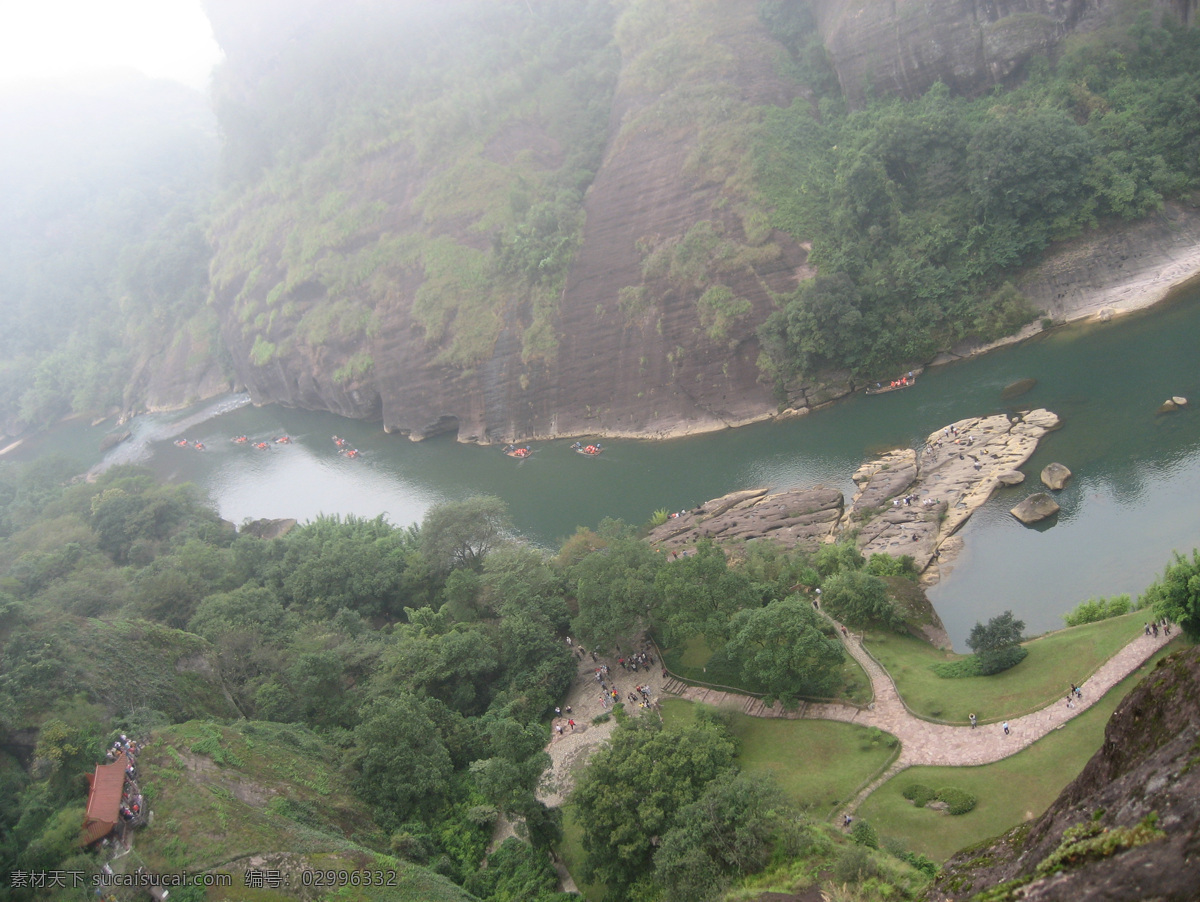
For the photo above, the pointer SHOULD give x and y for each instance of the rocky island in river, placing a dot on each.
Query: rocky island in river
(909, 501)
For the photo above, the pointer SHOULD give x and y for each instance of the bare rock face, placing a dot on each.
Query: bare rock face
(1035, 508)
(910, 502)
(657, 367)
(268, 529)
(1055, 476)
(796, 519)
(1132, 814)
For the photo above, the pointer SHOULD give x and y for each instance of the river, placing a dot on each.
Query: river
(1133, 498)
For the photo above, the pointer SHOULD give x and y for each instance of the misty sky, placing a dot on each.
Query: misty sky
(55, 38)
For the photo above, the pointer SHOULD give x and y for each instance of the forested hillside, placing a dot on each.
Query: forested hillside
(534, 218)
(417, 668)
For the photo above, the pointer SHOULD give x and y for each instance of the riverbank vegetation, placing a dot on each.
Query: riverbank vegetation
(919, 211)
(423, 660)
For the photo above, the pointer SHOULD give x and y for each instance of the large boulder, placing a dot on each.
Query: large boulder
(1172, 404)
(1055, 476)
(1035, 508)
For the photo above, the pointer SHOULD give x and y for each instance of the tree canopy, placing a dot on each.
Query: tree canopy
(1176, 596)
(788, 649)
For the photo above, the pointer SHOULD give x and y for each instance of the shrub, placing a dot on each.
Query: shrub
(953, 670)
(1000, 659)
(958, 801)
(919, 794)
(925, 865)
(855, 865)
(1097, 609)
(864, 834)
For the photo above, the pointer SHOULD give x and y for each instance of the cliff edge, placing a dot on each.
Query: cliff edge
(1126, 830)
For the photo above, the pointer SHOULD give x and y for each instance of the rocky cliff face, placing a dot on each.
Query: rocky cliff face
(905, 46)
(1128, 828)
(361, 294)
(654, 326)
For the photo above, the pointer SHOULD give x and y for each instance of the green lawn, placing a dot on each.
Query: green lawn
(1055, 661)
(818, 764)
(1009, 792)
(696, 662)
(570, 850)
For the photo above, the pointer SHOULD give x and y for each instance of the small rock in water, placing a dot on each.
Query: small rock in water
(1018, 388)
(1179, 401)
(1167, 406)
(1055, 476)
(1035, 508)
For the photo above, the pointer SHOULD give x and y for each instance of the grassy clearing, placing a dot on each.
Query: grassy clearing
(818, 764)
(1039, 774)
(696, 662)
(271, 794)
(1055, 661)
(572, 854)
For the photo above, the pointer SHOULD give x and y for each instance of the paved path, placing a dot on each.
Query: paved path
(924, 742)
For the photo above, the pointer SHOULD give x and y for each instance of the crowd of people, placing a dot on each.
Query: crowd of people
(131, 795)
(606, 675)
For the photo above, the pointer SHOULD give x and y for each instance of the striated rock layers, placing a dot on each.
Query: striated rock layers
(802, 518)
(904, 47)
(654, 330)
(1126, 830)
(909, 502)
(629, 348)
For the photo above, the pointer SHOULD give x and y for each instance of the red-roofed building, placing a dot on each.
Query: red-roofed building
(104, 800)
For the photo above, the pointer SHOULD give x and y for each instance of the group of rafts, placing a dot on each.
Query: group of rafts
(522, 451)
(342, 444)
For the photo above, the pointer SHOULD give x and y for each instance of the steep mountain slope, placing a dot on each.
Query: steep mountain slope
(530, 218)
(404, 246)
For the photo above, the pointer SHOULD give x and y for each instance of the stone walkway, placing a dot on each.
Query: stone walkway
(924, 742)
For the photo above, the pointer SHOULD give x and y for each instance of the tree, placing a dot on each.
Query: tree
(861, 600)
(614, 586)
(517, 872)
(1177, 595)
(634, 789)
(462, 533)
(400, 761)
(353, 563)
(997, 645)
(699, 593)
(783, 649)
(723, 835)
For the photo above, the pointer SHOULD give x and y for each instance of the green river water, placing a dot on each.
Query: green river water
(1133, 499)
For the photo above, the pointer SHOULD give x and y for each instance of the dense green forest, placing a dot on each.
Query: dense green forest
(426, 659)
(413, 672)
(919, 211)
